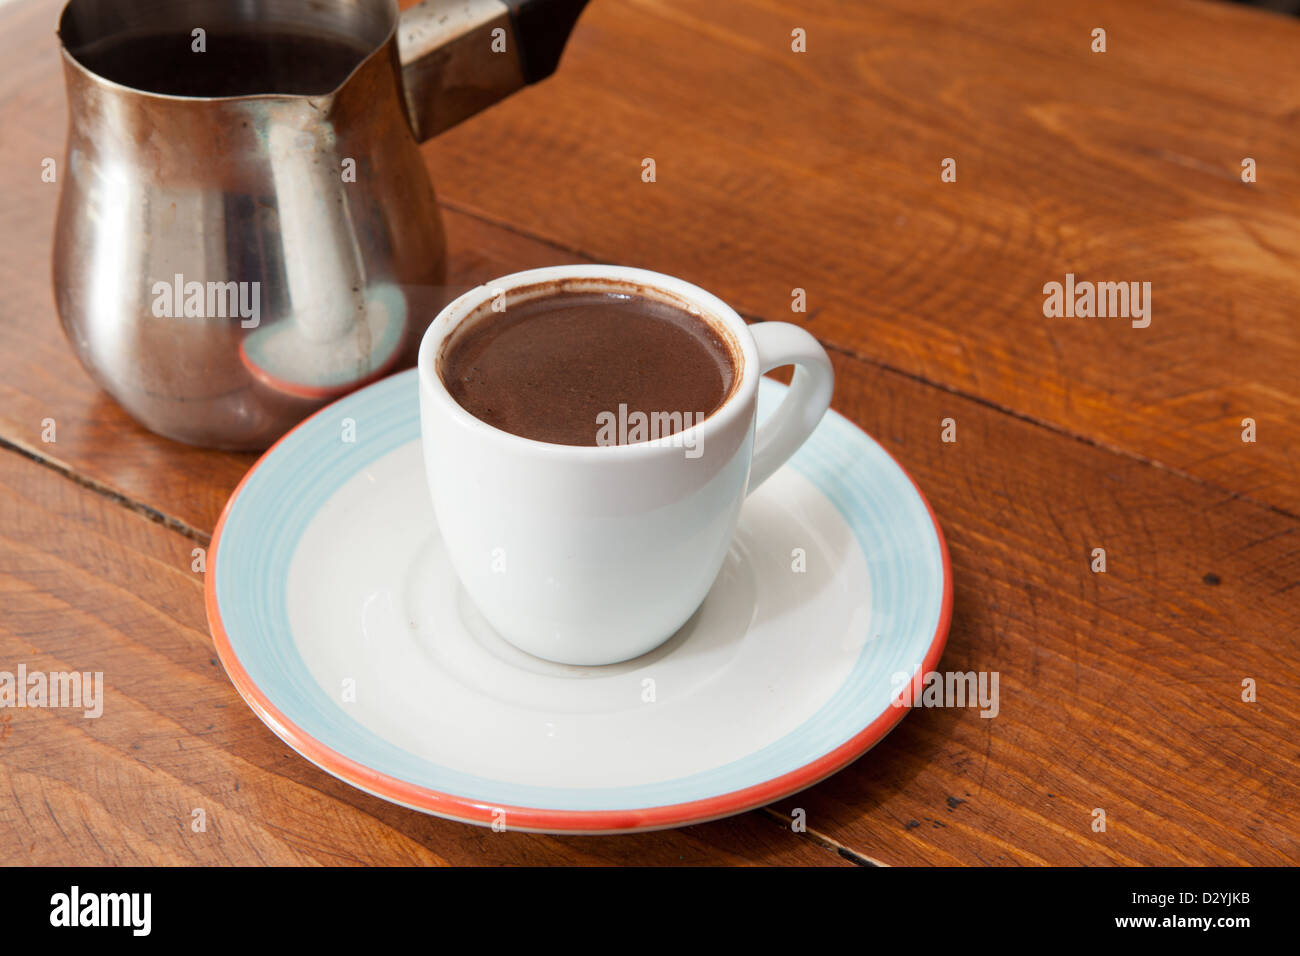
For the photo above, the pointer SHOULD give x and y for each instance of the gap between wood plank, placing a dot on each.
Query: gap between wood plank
(913, 376)
(147, 511)
(821, 840)
(1056, 429)
(825, 842)
(174, 524)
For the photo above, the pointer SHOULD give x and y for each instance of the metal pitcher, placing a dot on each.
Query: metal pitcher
(244, 237)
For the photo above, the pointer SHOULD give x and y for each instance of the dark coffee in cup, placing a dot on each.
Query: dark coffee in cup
(589, 368)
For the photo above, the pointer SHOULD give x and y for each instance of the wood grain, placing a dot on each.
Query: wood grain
(821, 171)
(40, 378)
(89, 586)
(1119, 691)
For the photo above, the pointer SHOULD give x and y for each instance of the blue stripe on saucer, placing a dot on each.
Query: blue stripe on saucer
(262, 530)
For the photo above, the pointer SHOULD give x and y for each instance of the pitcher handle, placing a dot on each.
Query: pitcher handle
(461, 56)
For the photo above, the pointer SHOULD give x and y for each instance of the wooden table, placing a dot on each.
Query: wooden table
(779, 170)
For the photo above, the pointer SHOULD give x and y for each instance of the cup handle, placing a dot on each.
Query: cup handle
(780, 343)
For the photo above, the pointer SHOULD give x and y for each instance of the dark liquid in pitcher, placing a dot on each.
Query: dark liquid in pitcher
(235, 63)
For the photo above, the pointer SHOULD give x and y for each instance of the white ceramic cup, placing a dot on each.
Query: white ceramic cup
(597, 554)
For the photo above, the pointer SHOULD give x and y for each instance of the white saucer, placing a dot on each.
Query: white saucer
(339, 619)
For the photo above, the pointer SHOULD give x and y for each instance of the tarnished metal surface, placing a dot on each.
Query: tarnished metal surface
(223, 266)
